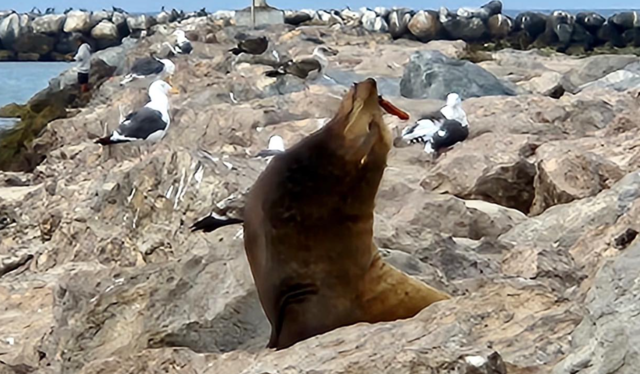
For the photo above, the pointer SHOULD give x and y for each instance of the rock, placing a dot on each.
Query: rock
(499, 26)
(163, 18)
(467, 29)
(7, 55)
(625, 20)
(50, 24)
(632, 37)
(547, 84)
(442, 214)
(9, 30)
(77, 21)
(99, 16)
(28, 57)
(485, 12)
(532, 23)
(591, 21)
(120, 20)
(34, 43)
(105, 30)
(425, 25)
(594, 68)
(621, 80)
(603, 342)
(562, 225)
(141, 22)
(67, 43)
(399, 22)
(502, 175)
(566, 173)
(296, 18)
(432, 75)
(609, 34)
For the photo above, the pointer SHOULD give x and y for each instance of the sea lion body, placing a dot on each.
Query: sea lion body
(308, 230)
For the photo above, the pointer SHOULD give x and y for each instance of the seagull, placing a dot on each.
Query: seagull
(305, 67)
(440, 130)
(150, 69)
(149, 123)
(276, 147)
(182, 46)
(251, 45)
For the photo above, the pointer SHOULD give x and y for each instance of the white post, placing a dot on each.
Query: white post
(253, 14)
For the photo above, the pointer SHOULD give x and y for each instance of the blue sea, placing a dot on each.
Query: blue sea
(21, 80)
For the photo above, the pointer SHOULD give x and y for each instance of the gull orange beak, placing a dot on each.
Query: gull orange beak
(174, 91)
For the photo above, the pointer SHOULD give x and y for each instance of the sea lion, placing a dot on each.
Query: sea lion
(308, 229)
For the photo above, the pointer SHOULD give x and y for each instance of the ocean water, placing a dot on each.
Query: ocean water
(19, 81)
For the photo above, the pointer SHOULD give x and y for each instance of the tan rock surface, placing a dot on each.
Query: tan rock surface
(99, 272)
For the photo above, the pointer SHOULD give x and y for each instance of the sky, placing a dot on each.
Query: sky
(188, 5)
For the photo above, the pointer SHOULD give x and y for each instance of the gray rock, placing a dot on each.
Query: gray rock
(34, 43)
(425, 25)
(606, 340)
(500, 26)
(77, 21)
(467, 29)
(296, 18)
(548, 83)
(432, 75)
(49, 24)
(9, 30)
(399, 22)
(594, 68)
(553, 228)
(105, 30)
(163, 17)
(141, 22)
(620, 80)
(97, 17)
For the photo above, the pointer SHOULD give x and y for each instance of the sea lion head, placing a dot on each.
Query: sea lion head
(359, 121)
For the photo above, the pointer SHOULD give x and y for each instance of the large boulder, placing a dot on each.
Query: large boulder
(626, 20)
(141, 22)
(425, 25)
(99, 16)
(399, 22)
(50, 24)
(490, 167)
(34, 43)
(105, 30)
(9, 30)
(500, 26)
(296, 18)
(606, 339)
(565, 173)
(594, 68)
(464, 28)
(77, 21)
(432, 75)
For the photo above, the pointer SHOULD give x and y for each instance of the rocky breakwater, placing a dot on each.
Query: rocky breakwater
(530, 223)
(488, 26)
(53, 37)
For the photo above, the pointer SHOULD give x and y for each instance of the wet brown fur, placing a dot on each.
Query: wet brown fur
(308, 230)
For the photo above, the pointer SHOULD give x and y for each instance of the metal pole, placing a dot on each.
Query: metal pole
(253, 14)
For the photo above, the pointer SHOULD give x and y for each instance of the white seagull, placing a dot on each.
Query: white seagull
(442, 129)
(149, 123)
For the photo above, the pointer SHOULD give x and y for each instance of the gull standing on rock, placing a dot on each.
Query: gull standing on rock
(439, 130)
(150, 69)
(251, 45)
(182, 46)
(276, 147)
(150, 123)
(310, 67)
